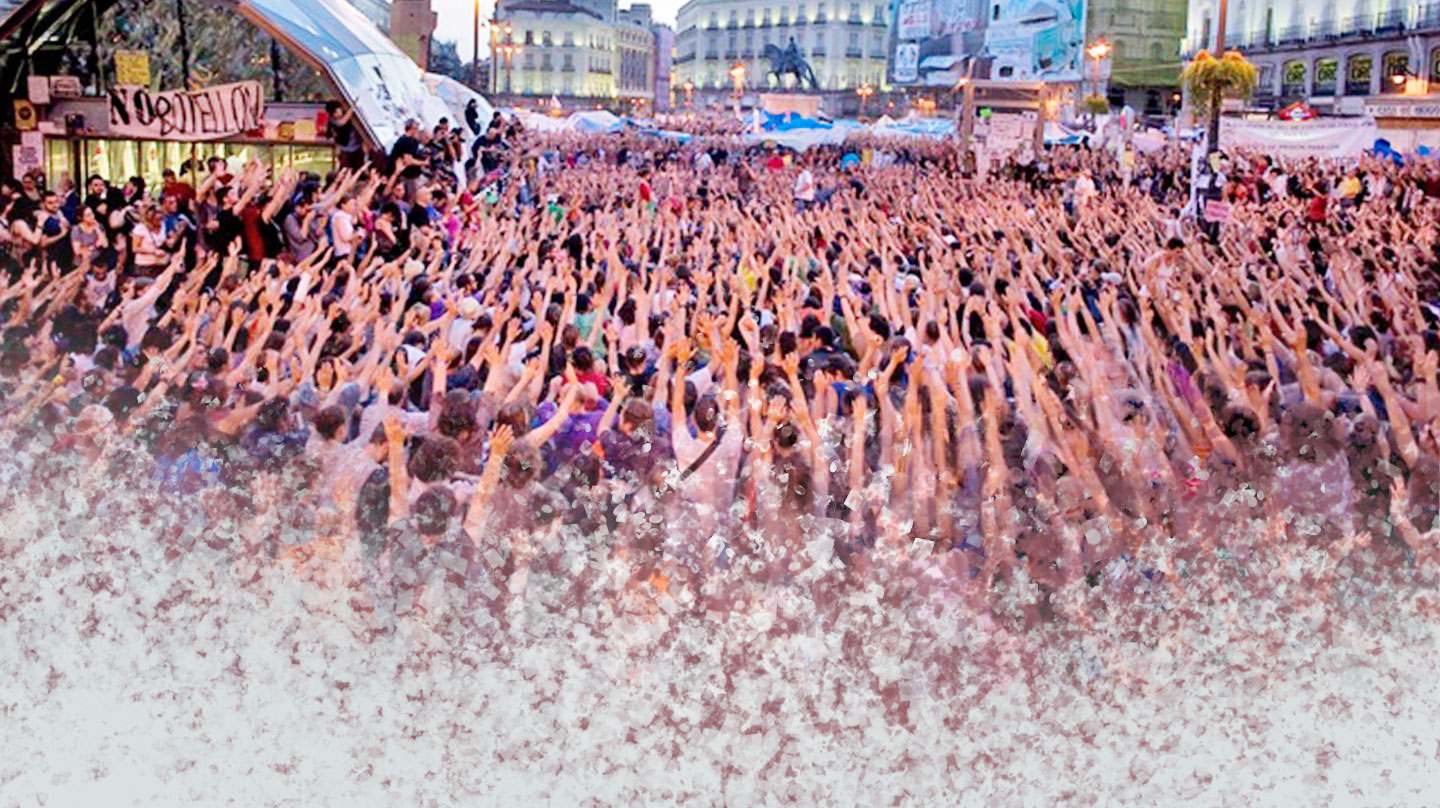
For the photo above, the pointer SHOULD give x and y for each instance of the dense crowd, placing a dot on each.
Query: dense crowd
(714, 370)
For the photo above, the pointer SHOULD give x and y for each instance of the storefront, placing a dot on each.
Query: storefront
(98, 92)
(1408, 122)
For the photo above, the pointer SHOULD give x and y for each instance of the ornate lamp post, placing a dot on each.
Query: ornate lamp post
(737, 73)
(864, 91)
(1098, 52)
(689, 87)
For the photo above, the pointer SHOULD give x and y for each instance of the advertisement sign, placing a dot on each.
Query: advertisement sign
(907, 62)
(1331, 138)
(1025, 40)
(208, 114)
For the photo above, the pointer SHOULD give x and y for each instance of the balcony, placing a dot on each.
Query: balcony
(854, 53)
(1325, 87)
(799, 20)
(1389, 23)
(732, 54)
(854, 21)
(818, 53)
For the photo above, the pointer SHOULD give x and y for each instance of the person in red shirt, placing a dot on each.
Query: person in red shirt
(776, 163)
(182, 191)
(1319, 204)
(588, 371)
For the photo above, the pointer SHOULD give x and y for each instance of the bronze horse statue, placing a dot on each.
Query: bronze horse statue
(789, 61)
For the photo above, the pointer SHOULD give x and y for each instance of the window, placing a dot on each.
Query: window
(1397, 66)
(854, 12)
(545, 38)
(569, 40)
(784, 15)
(765, 17)
(1292, 79)
(734, 19)
(1326, 72)
(880, 15)
(714, 19)
(1205, 32)
(1154, 51)
(800, 13)
(529, 37)
(1435, 65)
(1357, 75)
(750, 18)
(820, 13)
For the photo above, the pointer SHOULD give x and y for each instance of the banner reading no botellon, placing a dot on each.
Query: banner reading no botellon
(208, 114)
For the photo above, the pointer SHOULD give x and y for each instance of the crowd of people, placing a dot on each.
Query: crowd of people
(614, 366)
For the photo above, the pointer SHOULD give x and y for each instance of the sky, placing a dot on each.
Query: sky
(457, 19)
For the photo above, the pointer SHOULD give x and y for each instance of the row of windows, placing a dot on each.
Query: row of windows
(567, 39)
(595, 64)
(852, 43)
(545, 84)
(880, 15)
(828, 80)
(1323, 75)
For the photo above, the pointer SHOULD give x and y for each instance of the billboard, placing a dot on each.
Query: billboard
(938, 41)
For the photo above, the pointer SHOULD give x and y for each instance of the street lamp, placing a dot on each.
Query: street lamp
(738, 74)
(1098, 51)
(864, 91)
(509, 50)
(689, 95)
(475, 53)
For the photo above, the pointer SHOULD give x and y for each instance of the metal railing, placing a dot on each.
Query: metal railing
(1415, 19)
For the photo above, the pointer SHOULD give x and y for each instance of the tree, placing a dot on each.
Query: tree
(1211, 80)
(445, 60)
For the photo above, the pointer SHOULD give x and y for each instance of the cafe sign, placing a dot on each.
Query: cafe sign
(209, 114)
(1403, 109)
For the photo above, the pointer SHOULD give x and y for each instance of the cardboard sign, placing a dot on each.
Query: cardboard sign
(132, 68)
(26, 159)
(1217, 211)
(66, 87)
(37, 89)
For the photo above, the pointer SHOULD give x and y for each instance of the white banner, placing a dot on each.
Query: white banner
(1325, 139)
(913, 19)
(208, 114)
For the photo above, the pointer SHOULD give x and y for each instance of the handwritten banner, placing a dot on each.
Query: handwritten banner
(208, 114)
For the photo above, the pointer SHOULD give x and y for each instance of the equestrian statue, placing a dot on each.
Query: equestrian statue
(789, 61)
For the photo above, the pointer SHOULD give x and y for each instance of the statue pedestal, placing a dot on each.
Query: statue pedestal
(802, 104)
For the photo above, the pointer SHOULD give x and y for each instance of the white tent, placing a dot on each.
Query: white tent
(593, 120)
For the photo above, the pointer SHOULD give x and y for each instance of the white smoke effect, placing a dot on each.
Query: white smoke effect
(129, 676)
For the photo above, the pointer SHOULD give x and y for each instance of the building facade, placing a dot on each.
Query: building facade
(411, 24)
(843, 40)
(1143, 70)
(1334, 54)
(635, 55)
(663, 74)
(376, 11)
(579, 53)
